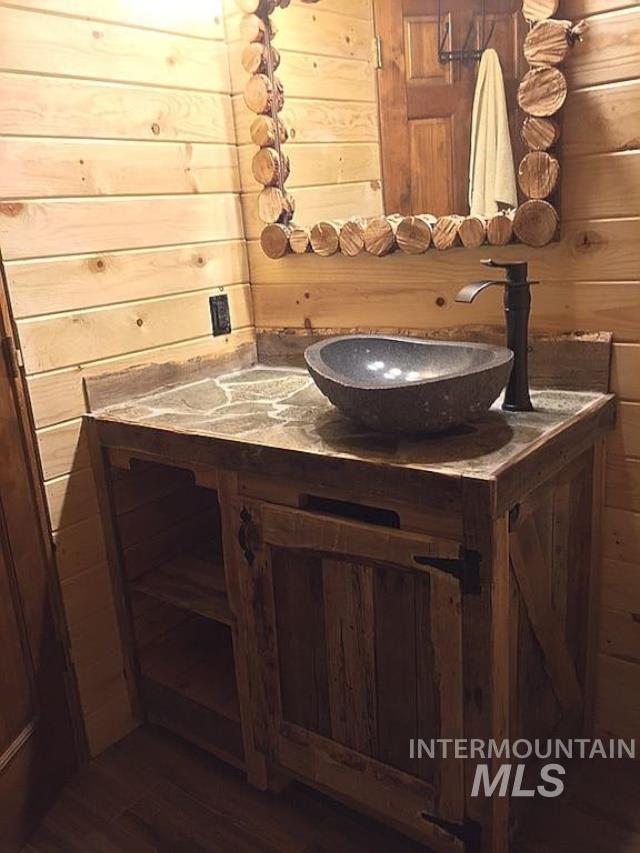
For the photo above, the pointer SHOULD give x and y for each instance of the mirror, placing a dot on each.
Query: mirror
(468, 95)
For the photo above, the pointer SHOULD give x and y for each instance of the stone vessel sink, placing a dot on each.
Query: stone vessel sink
(407, 385)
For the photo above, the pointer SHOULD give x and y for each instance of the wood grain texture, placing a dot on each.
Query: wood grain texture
(74, 47)
(155, 785)
(610, 51)
(35, 229)
(114, 120)
(595, 250)
(340, 304)
(320, 164)
(330, 33)
(39, 168)
(86, 108)
(190, 17)
(71, 283)
(338, 201)
(65, 339)
(316, 121)
(625, 377)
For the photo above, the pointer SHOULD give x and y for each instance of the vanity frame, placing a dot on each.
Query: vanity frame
(324, 558)
(535, 222)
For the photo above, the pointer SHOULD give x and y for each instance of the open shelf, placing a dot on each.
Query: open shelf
(170, 538)
(195, 723)
(195, 660)
(189, 583)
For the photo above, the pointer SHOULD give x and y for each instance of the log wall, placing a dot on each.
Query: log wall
(119, 216)
(589, 278)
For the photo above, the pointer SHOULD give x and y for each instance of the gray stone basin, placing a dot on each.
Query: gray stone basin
(408, 385)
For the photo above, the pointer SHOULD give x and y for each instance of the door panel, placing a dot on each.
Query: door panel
(358, 648)
(348, 608)
(15, 672)
(426, 105)
(37, 739)
(304, 680)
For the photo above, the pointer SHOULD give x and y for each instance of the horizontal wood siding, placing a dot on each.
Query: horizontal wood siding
(590, 278)
(120, 216)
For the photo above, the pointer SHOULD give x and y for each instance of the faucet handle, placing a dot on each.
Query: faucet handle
(517, 271)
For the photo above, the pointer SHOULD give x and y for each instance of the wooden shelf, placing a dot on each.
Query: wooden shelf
(190, 584)
(193, 722)
(195, 660)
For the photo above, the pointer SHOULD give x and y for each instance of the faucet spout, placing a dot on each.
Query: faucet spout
(470, 291)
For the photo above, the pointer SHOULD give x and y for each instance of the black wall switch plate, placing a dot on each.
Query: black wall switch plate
(220, 315)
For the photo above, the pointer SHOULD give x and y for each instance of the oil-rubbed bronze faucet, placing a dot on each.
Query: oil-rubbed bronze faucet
(517, 307)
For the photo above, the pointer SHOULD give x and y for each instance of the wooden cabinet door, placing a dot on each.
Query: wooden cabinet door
(37, 747)
(357, 650)
(426, 105)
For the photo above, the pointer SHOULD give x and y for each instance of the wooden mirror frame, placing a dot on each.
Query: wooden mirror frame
(541, 95)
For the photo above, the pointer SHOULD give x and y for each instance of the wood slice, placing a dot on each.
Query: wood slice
(472, 232)
(547, 42)
(539, 134)
(538, 10)
(542, 91)
(380, 235)
(538, 174)
(352, 237)
(269, 169)
(254, 29)
(299, 239)
(264, 129)
(446, 232)
(500, 228)
(535, 223)
(275, 241)
(255, 58)
(325, 238)
(261, 95)
(275, 206)
(414, 234)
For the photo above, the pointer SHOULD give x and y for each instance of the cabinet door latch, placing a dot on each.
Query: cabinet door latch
(466, 569)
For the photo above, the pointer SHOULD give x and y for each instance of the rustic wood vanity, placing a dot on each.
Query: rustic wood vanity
(303, 598)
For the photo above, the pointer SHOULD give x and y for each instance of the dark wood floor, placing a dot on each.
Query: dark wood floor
(153, 792)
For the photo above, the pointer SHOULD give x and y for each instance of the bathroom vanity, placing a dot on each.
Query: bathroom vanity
(302, 598)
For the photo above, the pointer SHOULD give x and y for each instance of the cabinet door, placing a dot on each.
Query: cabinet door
(358, 652)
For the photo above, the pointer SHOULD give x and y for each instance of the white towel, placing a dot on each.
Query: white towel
(492, 179)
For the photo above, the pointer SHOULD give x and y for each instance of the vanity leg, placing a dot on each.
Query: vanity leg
(485, 621)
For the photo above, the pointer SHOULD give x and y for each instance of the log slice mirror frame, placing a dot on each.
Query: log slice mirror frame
(541, 95)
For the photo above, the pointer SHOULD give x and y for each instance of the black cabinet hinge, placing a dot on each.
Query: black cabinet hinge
(466, 569)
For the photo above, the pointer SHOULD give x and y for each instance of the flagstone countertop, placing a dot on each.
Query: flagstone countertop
(253, 414)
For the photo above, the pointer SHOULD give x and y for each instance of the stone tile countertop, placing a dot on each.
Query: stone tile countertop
(281, 409)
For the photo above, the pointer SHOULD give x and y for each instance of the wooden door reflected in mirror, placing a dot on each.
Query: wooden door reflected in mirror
(426, 104)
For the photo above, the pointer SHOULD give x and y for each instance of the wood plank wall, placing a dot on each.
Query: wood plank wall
(330, 107)
(119, 216)
(590, 279)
